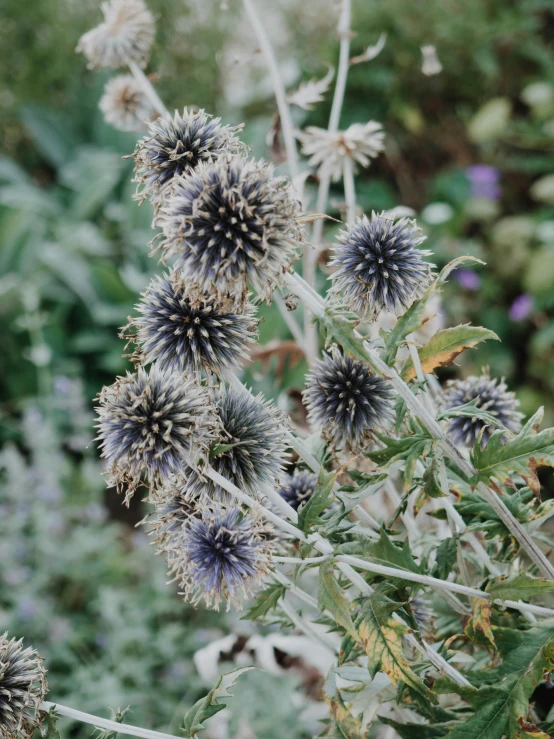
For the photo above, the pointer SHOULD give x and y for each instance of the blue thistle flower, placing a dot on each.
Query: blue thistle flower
(231, 223)
(23, 687)
(346, 401)
(175, 146)
(380, 265)
(225, 554)
(185, 330)
(298, 488)
(490, 395)
(153, 424)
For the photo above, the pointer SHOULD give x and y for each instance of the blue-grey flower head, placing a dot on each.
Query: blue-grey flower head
(491, 395)
(175, 146)
(187, 330)
(380, 265)
(298, 488)
(232, 223)
(23, 687)
(222, 555)
(346, 401)
(250, 448)
(152, 424)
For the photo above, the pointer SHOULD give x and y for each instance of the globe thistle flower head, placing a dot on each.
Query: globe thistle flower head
(232, 223)
(124, 104)
(23, 687)
(224, 555)
(328, 151)
(151, 425)
(187, 330)
(490, 395)
(380, 267)
(175, 146)
(346, 401)
(298, 488)
(250, 448)
(124, 37)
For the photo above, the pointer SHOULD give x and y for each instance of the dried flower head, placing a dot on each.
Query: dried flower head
(175, 146)
(250, 449)
(490, 395)
(231, 223)
(298, 488)
(224, 555)
(187, 330)
(346, 401)
(380, 266)
(124, 104)
(23, 687)
(328, 151)
(125, 36)
(153, 425)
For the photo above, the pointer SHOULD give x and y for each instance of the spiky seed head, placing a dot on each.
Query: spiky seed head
(126, 35)
(124, 104)
(175, 146)
(346, 401)
(328, 151)
(224, 555)
(491, 395)
(380, 265)
(23, 687)
(298, 488)
(153, 424)
(187, 330)
(232, 223)
(250, 449)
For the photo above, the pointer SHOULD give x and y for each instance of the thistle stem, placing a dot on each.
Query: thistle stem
(343, 30)
(104, 723)
(349, 190)
(294, 589)
(147, 88)
(291, 324)
(305, 627)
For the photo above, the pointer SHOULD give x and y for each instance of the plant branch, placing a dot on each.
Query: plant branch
(147, 88)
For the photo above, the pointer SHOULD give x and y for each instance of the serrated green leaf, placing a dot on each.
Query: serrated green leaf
(319, 501)
(49, 729)
(331, 598)
(417, 731)
(381, 633)
(442, 349)
(447, 553)
(342, 724)
(265, 601)
(385, 552)
(520, 455)
(519, 587)
(469, 410)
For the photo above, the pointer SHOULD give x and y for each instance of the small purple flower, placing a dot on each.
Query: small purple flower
(468, 279)
(484, 180)
(521, 307)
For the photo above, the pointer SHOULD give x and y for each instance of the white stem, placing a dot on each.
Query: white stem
(349, 190)
(290, 322)
(414, 354)
(104, 723)
(299, 560)
(344, 63)
(304, 626)
(280, 503)
(147, 88)
(278, 87)
(294, 589)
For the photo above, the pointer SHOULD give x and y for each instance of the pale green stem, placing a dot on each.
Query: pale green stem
(344, 63)
(294, 589)
(290, 322)
(349, 190)
(147, 88)
(305, 627)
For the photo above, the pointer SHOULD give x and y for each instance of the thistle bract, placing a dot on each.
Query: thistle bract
(23, 687)
(346, 401)
(491, 395)
(124, 104)
(298, 488)
(152, 425)
(380, 266)
(187, 330)
(125, 36)
(230, 224)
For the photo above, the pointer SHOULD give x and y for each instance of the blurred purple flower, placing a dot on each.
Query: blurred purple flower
(521, 307)
(468, 279)
(483, 180)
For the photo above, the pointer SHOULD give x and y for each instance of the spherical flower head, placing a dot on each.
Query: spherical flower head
(23, 687)
(124, 104)
(346, 401)
(125, 36)
(175, 146)
(328, 151)
(298, 488)
(250, 449)
(491, 395)
(152, 424)
(233, 223)
(380, 267)
(187, 330)
(225, 555)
